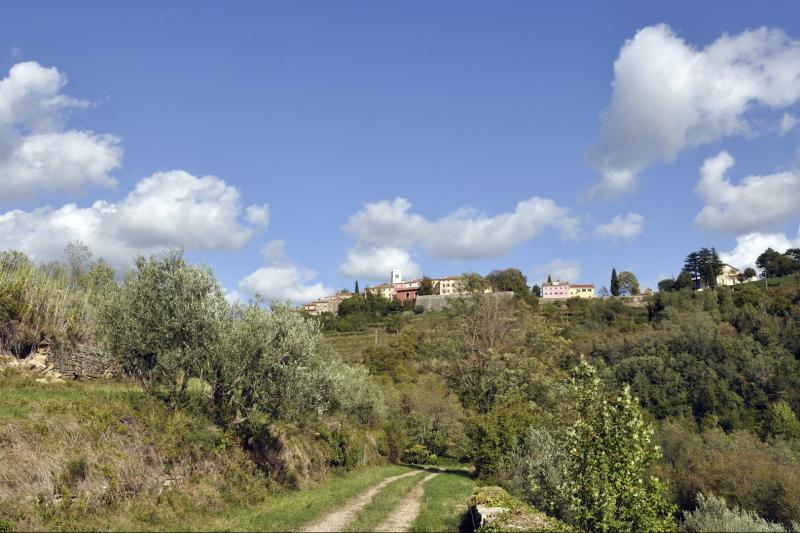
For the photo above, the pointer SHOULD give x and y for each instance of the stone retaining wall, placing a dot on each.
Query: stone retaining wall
(83, 362)
(439, 302)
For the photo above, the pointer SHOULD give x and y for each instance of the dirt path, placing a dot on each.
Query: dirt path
(404, 514)
(338, 520)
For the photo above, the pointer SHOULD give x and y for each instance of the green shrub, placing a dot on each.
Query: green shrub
(162, 321)
(780, 421)
(346, 448)
(416, 454)
(495, 435)
(355, 394)
(74, 472)
(268, 364)
(534, 470)
(712, 514)
(608, 458)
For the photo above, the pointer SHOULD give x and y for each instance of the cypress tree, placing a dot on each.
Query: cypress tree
(356, 291)
(614, 283)
(548, 279)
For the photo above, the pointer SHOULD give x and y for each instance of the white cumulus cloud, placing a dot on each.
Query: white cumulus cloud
(465, 234)
(788, 122)
(36, 152)
(258, 215)
(668, 95)
(376, 263)
(280, 280)
(751, 205)
(750, 246)
(622, 227)
(165, 209)
(386, 231)
(559, 269)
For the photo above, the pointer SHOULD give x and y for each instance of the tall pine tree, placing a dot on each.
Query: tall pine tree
(614, 283)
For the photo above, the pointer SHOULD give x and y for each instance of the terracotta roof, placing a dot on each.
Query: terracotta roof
(582, 285)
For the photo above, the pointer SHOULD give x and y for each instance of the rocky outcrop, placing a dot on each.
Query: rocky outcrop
(54, 365)
(36, 363)
(494, 509)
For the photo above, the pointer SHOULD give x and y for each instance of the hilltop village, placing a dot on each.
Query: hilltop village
(432, 293)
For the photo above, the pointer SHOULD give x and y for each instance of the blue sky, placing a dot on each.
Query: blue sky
(328, 112)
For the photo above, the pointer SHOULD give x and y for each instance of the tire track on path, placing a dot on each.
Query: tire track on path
(339, 519)
(404, 515)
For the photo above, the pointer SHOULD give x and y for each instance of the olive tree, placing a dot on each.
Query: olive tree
(268, 365)
(162, 321)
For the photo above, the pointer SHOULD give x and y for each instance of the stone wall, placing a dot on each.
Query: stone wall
(439, 302)
(83, 362)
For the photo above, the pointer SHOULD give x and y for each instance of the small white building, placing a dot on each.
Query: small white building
(445, 286)
(730, 276)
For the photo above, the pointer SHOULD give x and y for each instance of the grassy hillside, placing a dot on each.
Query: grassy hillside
(105, 455)
(770, 283)
(85, 455)
(351, 345)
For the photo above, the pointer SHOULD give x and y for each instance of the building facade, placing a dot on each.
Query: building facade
(385, 290)
(445, 286)
(730, 276)
(327, 304)
(581, 291)
(562, 290)
(555, 290)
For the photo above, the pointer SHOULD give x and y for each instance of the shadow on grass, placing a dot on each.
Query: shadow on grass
(456, 471)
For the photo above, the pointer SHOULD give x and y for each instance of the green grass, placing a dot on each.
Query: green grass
(445, 502)
(80, 436)
(285, 512)
(350, 346)
(385, 502)
(771, 282)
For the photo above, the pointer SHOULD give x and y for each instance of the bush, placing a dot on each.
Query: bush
(74, 472)
(739, 466)
(416, 454)
(534, 470)
(608, 458)
(355, 394)
(346, 448)
(712, 514)
(495, 435)
(163, 320)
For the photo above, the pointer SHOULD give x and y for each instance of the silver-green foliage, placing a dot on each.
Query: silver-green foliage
(712, 514)
(268, 364)
(535, 471)
(163, 319)
(606, 482)
(355, 393)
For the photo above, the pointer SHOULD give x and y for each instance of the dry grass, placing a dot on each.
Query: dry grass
(44, 302)
(90, 455)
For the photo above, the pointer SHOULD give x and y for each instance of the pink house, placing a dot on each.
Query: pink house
(406, 293)
(556, 290)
